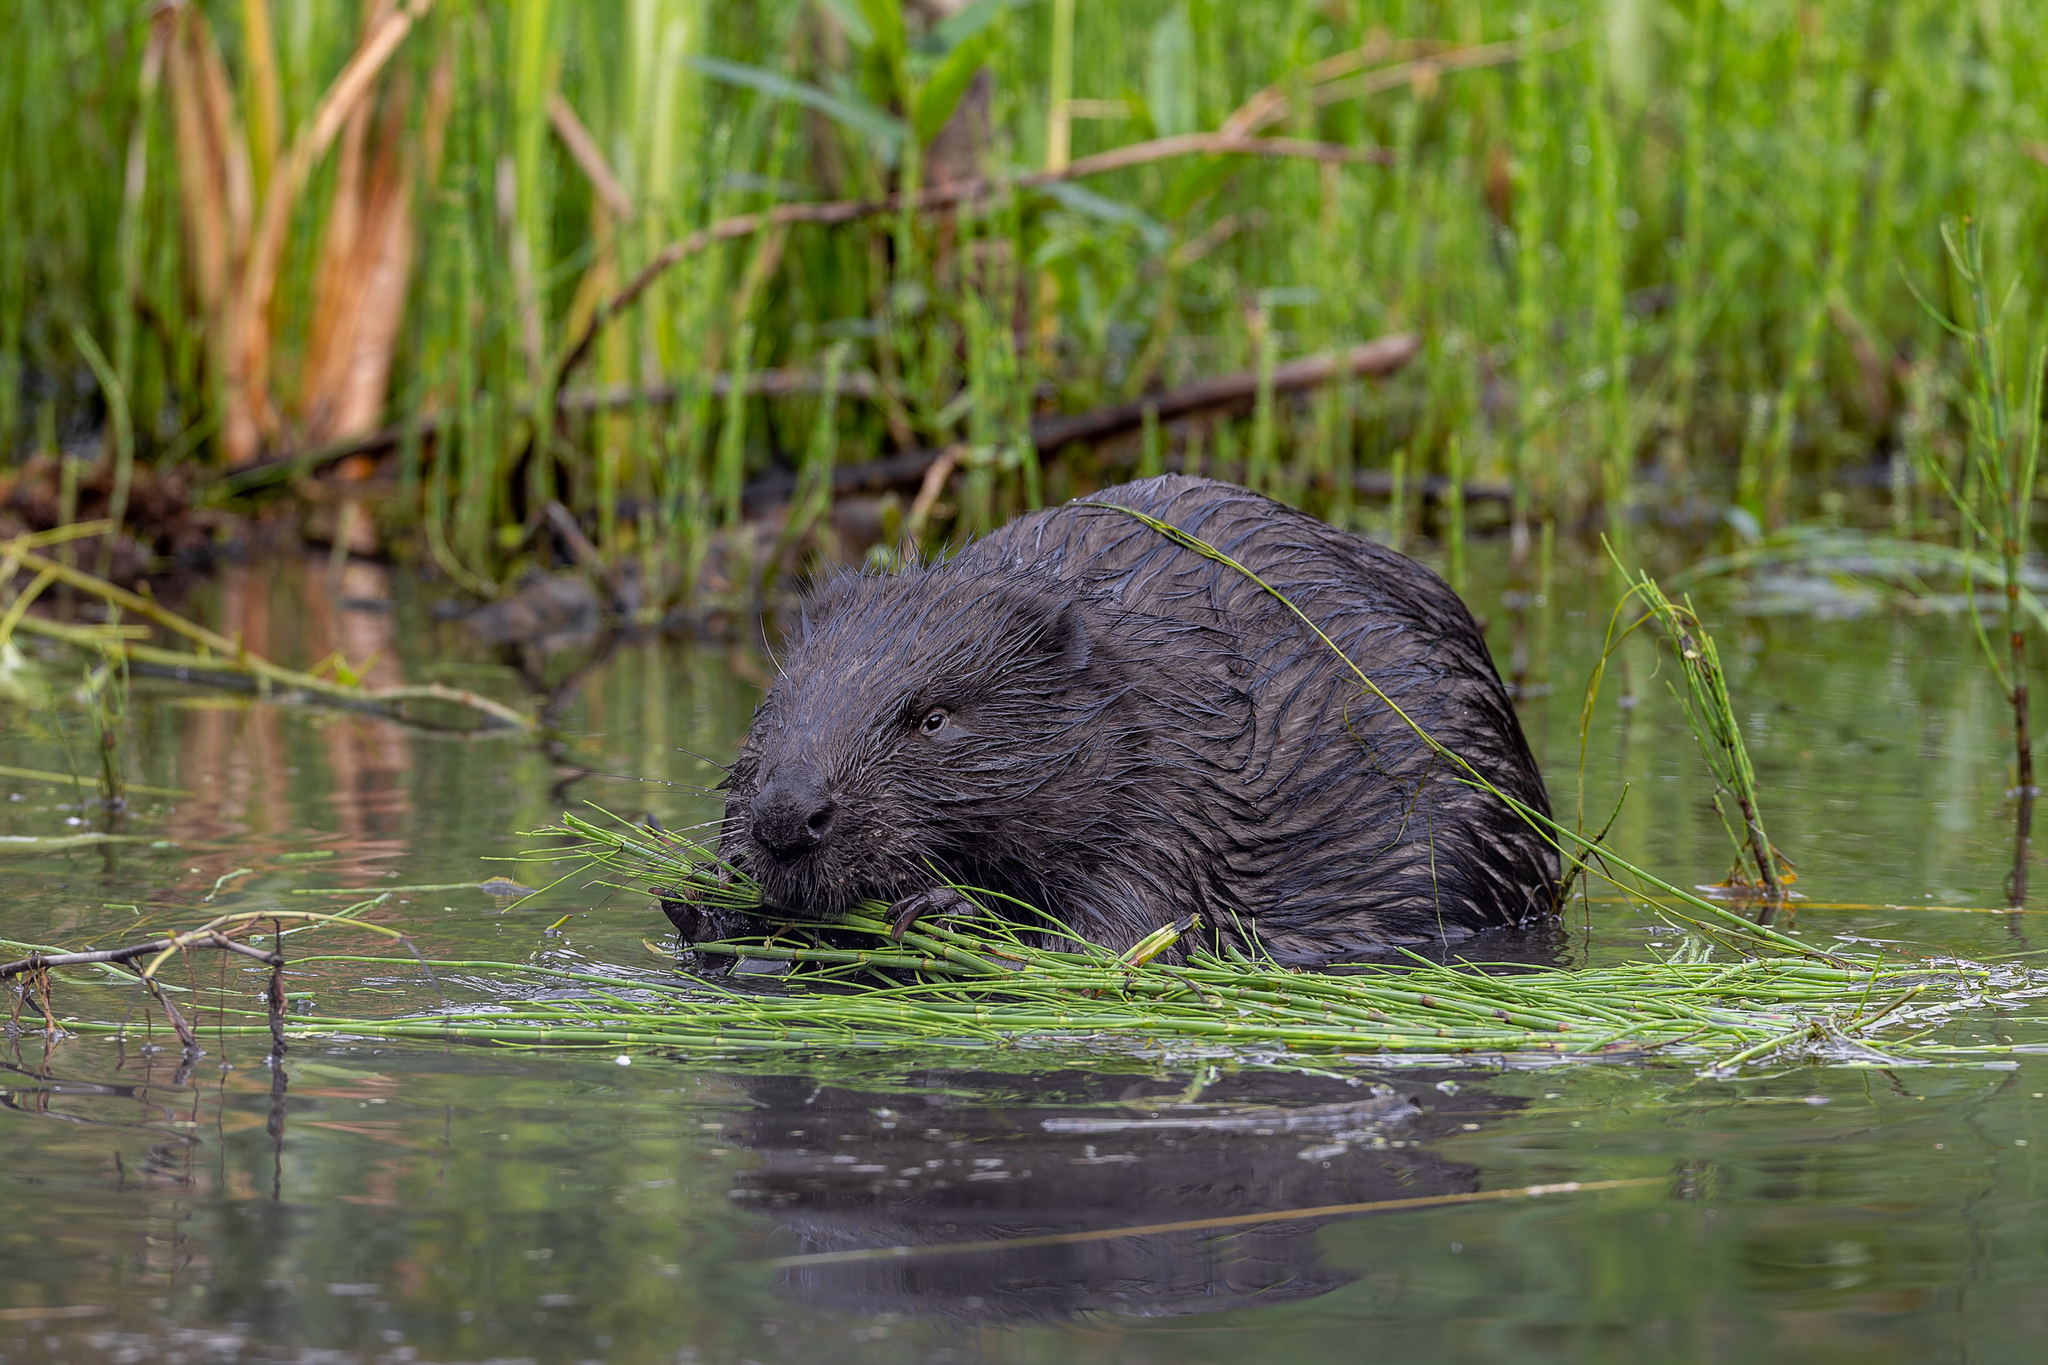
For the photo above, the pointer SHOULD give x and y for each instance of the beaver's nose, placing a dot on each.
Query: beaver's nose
(793, 815)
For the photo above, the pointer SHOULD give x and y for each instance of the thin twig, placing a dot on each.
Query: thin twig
(1232, 1220)
(235, 657)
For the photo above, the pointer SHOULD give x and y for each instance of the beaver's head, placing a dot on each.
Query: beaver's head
(926, 725)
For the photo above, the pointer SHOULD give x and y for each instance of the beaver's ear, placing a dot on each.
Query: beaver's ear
(823, 599)
(1066, 636)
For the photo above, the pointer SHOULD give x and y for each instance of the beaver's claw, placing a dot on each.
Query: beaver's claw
(939, 900)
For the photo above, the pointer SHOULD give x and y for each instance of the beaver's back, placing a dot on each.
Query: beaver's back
(1336, 828)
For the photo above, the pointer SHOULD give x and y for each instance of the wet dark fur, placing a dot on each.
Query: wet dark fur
(1136, 732)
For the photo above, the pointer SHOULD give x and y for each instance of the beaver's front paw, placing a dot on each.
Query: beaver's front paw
(938, 902)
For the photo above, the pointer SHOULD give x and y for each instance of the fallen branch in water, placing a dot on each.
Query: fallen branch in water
(229, 663)
(217, 933)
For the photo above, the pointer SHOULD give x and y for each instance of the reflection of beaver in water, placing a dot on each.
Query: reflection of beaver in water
(1075, 1156)
(1083, 714)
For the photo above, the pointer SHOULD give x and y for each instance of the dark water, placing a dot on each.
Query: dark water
(375, 1202)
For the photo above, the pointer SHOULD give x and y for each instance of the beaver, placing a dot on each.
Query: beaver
(1082, 714)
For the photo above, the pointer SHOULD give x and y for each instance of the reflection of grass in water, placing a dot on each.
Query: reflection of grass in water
(213, 660)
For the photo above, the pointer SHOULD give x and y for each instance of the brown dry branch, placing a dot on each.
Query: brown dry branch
(1271, 104)
(948, 196)
(157, 948)
(1421, 73)
(366, 257)
(563, 523)
(928, 493)
(217, 933)
(1384, 355)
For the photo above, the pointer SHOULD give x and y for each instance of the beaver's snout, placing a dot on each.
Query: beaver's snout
(793, 815)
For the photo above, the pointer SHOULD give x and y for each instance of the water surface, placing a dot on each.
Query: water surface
(376, 1202)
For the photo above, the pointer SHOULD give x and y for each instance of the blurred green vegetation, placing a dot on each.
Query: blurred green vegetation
(1652, 248)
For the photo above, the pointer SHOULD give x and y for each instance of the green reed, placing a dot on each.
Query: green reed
(1996, 502)
(1759, 869)
(1668, 225)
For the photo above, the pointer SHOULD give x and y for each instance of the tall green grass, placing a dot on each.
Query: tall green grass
(1996, 499)
(1659, 249)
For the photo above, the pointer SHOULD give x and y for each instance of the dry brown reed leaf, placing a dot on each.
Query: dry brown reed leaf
(613, 207)
(249, 414)
(264, 94)
(213, 170)
(590, 158)
(365, 263)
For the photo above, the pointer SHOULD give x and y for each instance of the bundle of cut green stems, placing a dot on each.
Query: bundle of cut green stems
(1002, 992)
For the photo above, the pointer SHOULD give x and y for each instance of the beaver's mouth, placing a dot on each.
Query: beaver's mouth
(816, 883)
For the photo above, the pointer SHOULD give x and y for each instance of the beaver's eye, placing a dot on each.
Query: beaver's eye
(933, 723)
